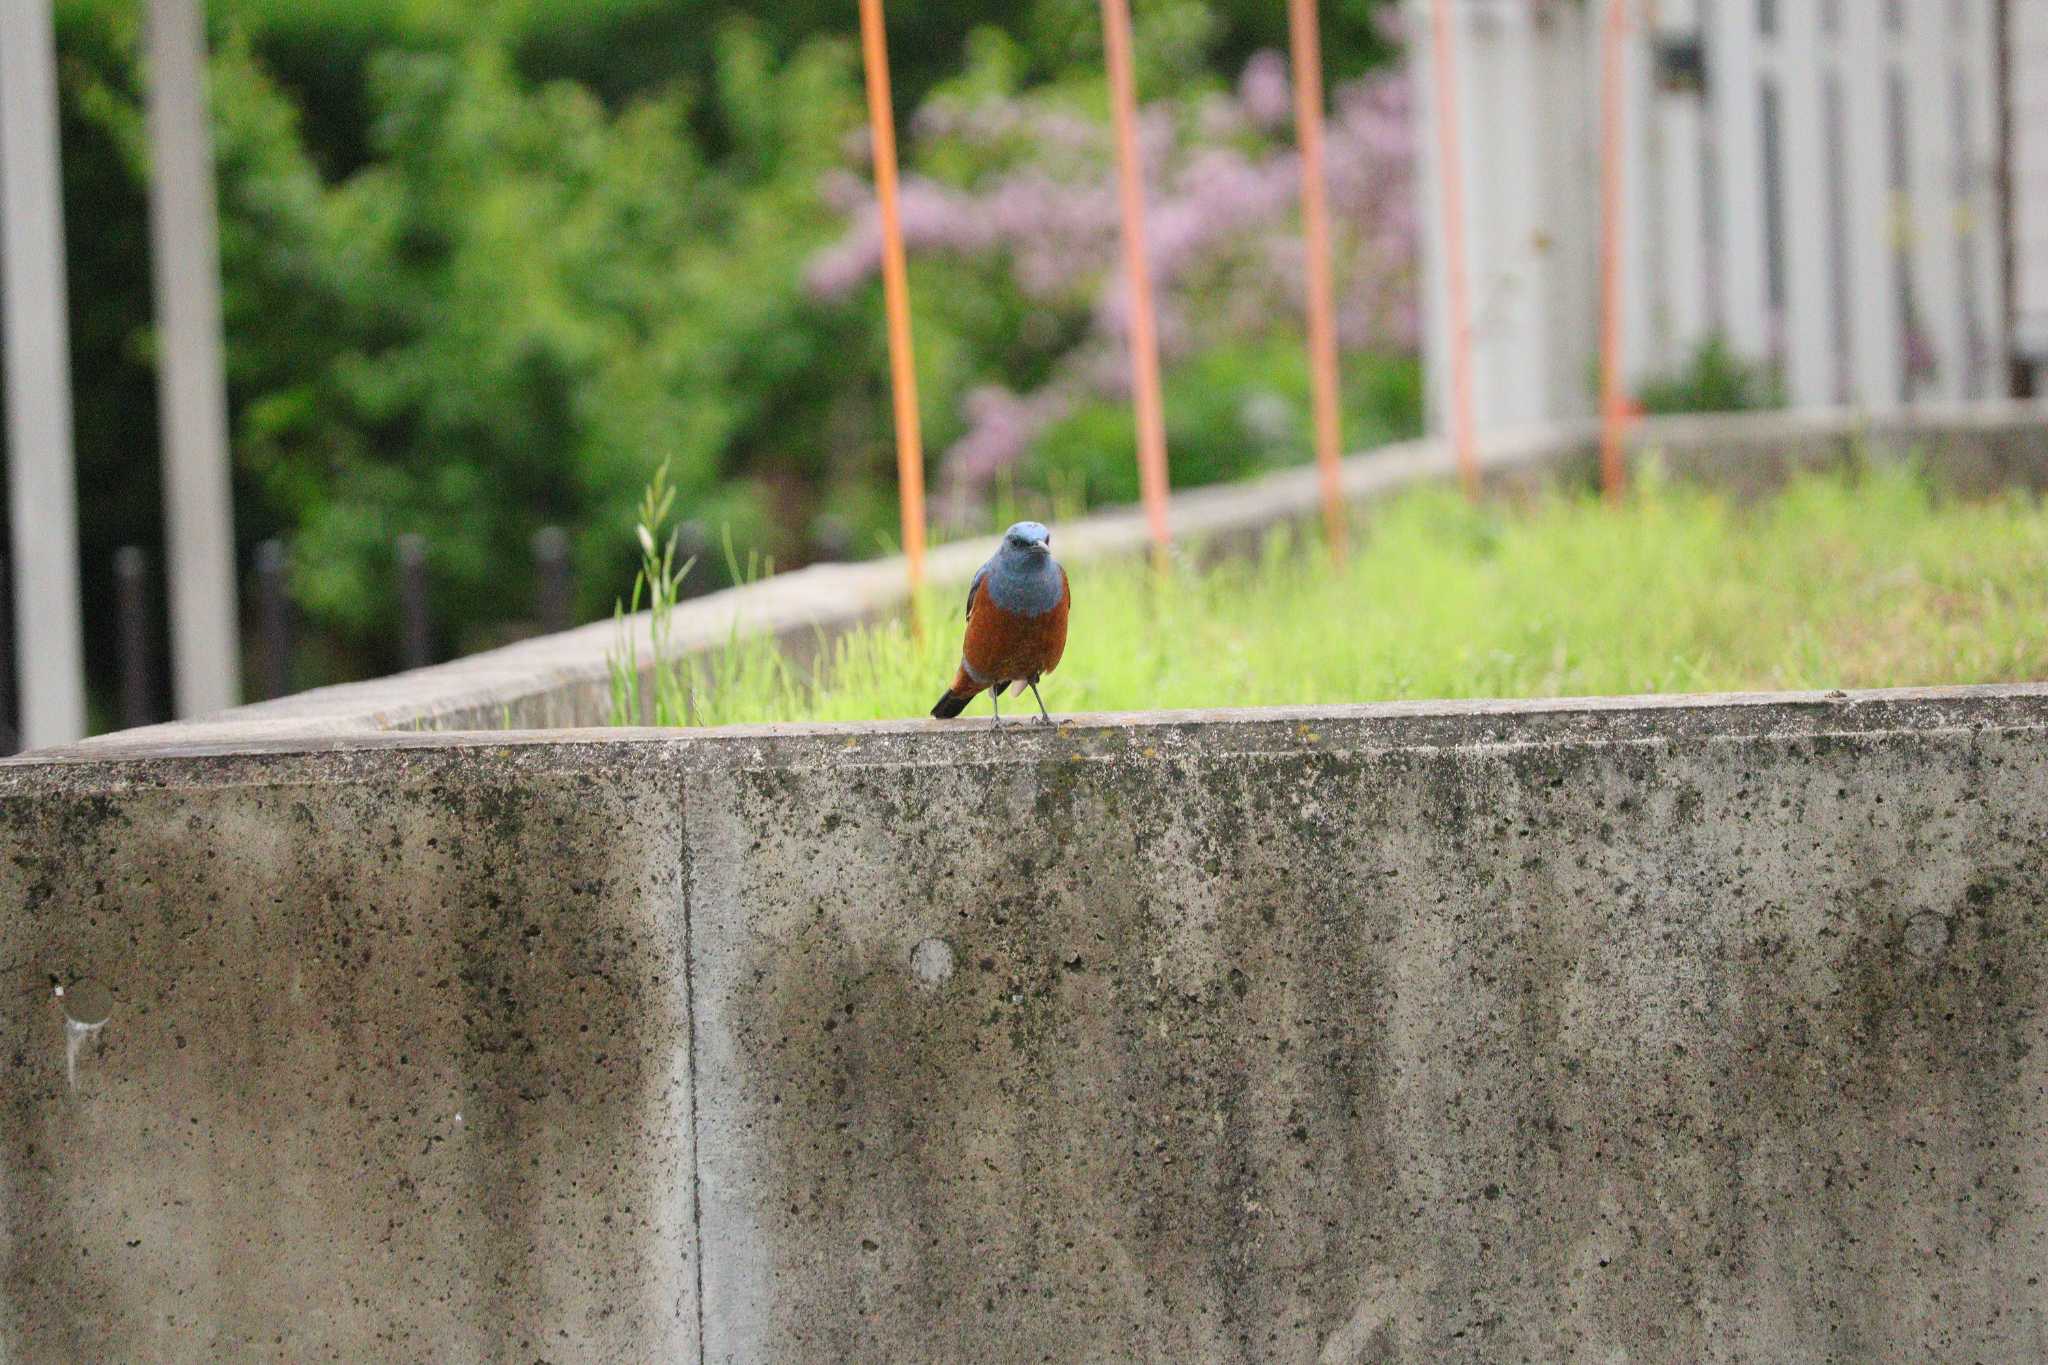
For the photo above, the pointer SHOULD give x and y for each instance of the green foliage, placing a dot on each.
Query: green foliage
(1862, 580)
(516, 307)
(1716, 379)
(1183, 41)
(1231, 413)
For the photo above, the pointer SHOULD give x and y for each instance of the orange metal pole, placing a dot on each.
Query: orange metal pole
(1452, 170)
(1613, 412)
(895, 293)
(1116, 32)
(1315, 228)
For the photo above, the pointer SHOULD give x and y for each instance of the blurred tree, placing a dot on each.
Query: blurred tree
(514, 309)
(487, 263)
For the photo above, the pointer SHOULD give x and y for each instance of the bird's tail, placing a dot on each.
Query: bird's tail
(951, 704)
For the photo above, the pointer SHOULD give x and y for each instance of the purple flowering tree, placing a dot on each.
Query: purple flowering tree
(1016, 193)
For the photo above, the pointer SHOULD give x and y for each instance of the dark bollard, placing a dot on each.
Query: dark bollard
(10, 732)
(554, 595)
(832, 538)
(131, 605)
(417, 631)
(273, 620)
(692, 543)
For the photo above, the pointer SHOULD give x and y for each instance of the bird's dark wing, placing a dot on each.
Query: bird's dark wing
(979, 574)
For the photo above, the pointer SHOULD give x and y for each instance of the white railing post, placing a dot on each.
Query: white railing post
(1562, 243)
(1504, 168)
(2028, 53)
(1529, 219)
(1735, 106)
(1434, 270)
(42, 487)
(1930, 129)
(1982, 226)
(1876, 324)
(1642, 276)
(1685, 311)
(191, 387)
(1809, 334)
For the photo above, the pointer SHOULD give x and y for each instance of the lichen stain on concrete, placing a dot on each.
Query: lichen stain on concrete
(1067, 1044)
(1370, 1336)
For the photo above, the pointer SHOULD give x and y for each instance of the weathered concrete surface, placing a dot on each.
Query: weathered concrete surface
(1678, 1029)
(396, 1068)
(1673, 1029)
(1649, 1033)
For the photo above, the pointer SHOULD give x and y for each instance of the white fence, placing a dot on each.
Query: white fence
(1815, 181)
(2029, 46)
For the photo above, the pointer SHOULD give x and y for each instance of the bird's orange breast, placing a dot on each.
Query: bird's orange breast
(1007, 646)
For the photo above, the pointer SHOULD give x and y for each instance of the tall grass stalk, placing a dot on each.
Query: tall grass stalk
(659, 583)
(705, 687)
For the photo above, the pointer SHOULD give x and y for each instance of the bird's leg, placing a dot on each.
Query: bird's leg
(1042, 715)
(995, 699)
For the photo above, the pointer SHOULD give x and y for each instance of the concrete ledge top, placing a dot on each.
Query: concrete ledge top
(1149, 736)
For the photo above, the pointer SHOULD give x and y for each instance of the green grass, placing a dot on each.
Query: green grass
(1869, 580)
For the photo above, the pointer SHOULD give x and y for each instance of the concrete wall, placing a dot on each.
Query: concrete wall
(1662, 1030)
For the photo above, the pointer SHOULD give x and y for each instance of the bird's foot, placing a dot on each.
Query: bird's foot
(1043, 716)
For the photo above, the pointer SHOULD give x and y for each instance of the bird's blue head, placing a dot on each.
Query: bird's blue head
(1027, 540)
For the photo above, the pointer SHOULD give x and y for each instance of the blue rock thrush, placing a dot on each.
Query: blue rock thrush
(1016, 623)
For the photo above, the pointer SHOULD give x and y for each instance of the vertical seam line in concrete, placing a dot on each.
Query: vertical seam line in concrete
(683, 872)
